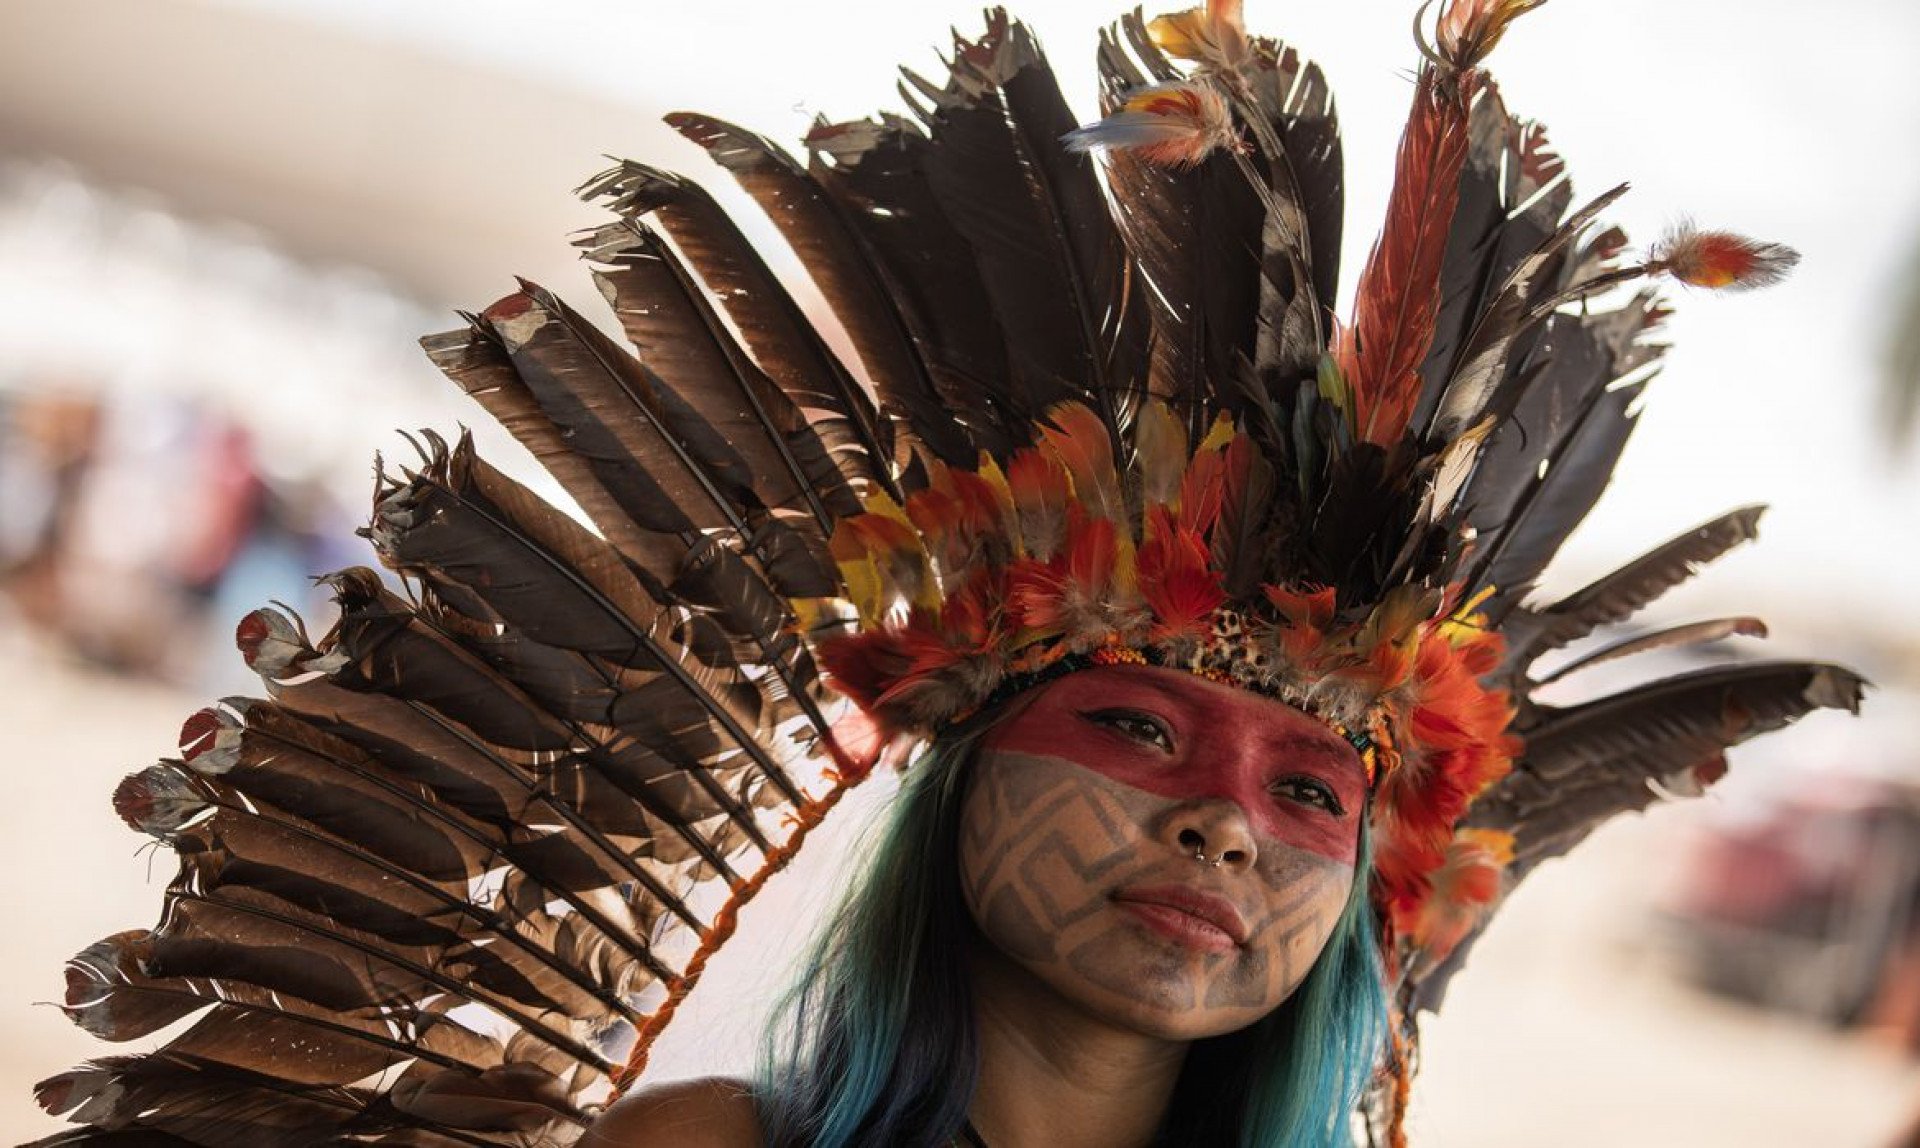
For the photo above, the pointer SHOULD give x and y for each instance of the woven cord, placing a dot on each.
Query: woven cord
(724, 922)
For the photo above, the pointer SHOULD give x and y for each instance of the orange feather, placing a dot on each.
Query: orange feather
(1721, 260)
(1037, 484)
(1079, 439)
(1305, 616)
(1203, 486)
(1461, 728)
(1212, 36)
(1463, 888)
(1167, 125)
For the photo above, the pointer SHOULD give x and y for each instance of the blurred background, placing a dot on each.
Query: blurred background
(222, 225)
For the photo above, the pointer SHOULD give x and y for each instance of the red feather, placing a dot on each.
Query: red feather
(1305, 617)
(1069, 596)
(1038, 485)
(1177, 578)
(1463, 888)
(1399, 293)
(1201, 490)
(958, 517)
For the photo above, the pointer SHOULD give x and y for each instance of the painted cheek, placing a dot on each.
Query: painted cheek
(1212, 777)
(1282, 819)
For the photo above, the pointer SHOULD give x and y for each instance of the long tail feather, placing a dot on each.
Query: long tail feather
(1036, 223)
(1394, 309)
(1549, 460)
(1515, 309)
(1513, 191)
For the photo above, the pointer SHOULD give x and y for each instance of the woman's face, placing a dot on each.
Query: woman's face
(1091, 829)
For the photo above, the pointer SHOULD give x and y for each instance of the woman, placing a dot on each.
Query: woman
(1127, 909)
(1213, 618)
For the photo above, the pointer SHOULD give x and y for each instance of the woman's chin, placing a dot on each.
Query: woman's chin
(1158, 987)
(1159, 1017)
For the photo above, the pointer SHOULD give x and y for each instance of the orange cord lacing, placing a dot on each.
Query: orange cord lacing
(725, 920)
(1402, 1069)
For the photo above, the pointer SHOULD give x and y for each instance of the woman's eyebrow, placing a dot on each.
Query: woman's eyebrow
(1294, 741)
(1312, 750)
(1145, 697)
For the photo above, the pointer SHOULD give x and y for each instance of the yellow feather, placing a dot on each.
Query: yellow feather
(1218, 435)
(1162, 444)
(996, 479)
(865, 588)
(908, 567)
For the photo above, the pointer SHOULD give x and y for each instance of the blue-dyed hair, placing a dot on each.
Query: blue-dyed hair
(874, 1045)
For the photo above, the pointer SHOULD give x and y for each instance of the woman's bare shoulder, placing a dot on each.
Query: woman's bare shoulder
(716, 1112)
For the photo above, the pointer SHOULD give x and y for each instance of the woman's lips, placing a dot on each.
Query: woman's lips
(1187, 916)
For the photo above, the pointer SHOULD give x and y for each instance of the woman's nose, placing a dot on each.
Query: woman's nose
(1213, 832)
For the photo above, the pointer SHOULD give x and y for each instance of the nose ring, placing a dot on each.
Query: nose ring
(1214, 862)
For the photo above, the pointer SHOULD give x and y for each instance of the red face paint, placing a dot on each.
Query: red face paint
(1185, 738)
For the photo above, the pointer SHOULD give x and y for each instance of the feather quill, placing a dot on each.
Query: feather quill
(1687, 634)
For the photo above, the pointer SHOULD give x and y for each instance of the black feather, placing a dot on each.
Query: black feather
(1617, 596)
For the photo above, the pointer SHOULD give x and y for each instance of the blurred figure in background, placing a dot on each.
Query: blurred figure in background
(1803, 894)
(164, 473)
(47, 443)
(136, 530)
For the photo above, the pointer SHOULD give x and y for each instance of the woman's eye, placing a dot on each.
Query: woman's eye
(1309, 791)
(1138, 726)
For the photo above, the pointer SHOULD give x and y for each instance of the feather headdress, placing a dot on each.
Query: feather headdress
(448, 879)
